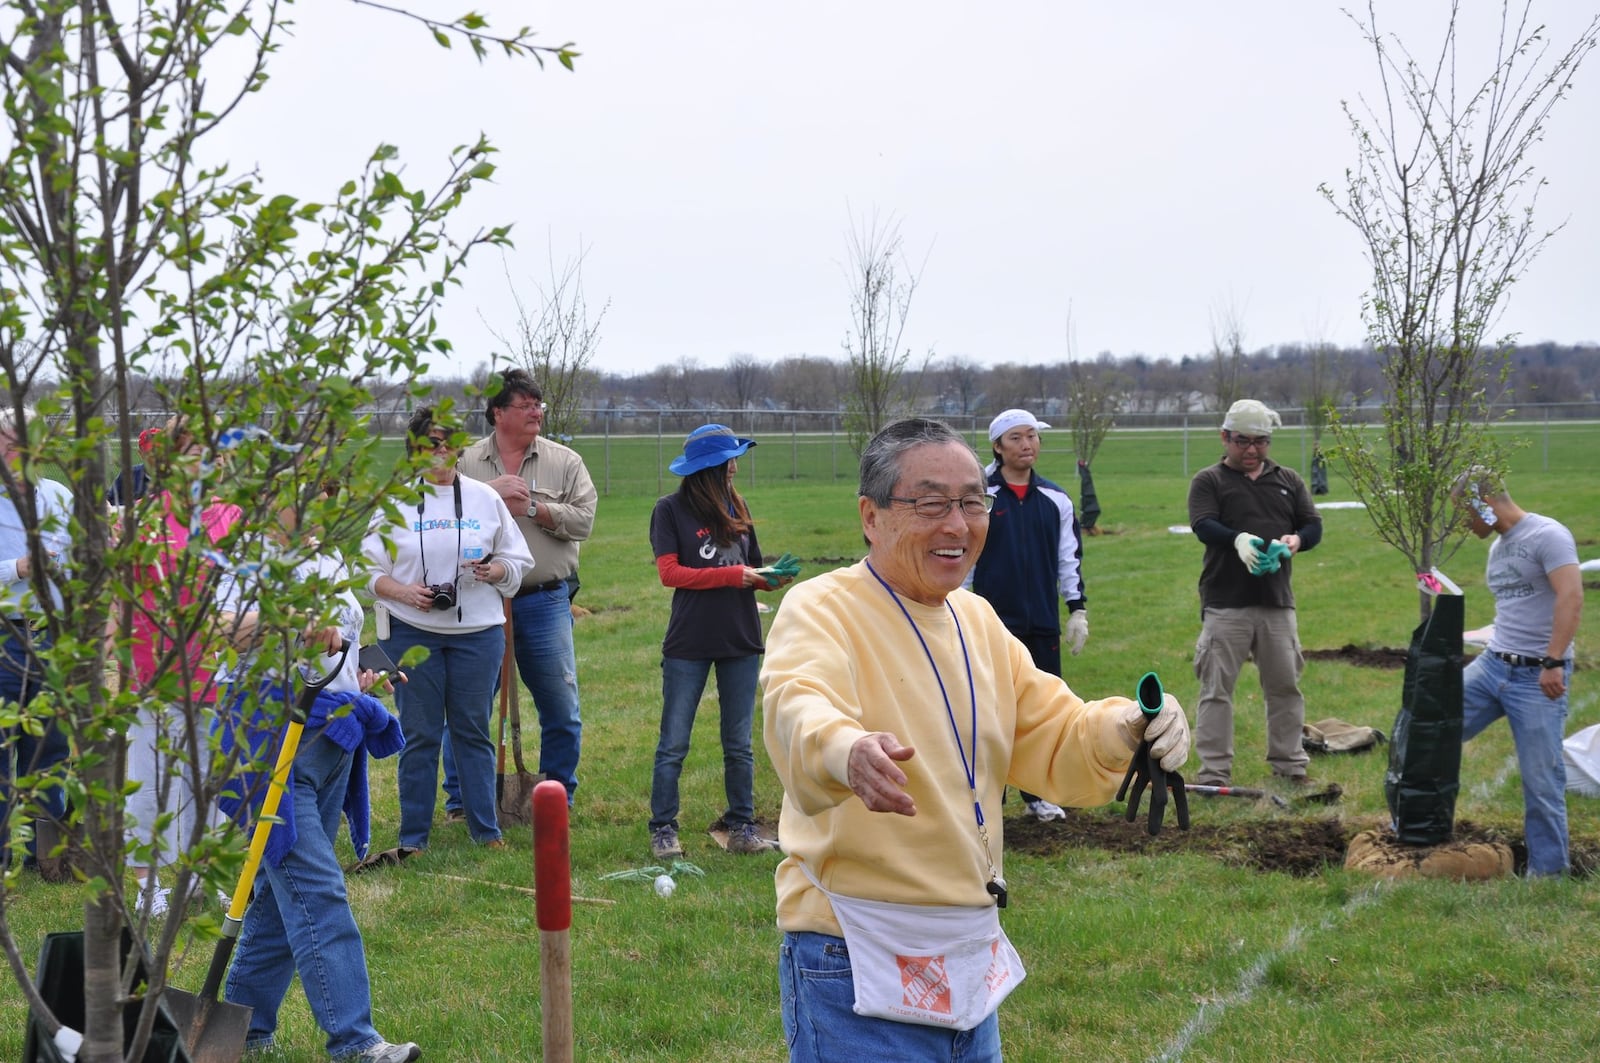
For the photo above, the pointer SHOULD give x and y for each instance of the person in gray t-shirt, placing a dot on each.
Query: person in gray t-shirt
(1538, 599)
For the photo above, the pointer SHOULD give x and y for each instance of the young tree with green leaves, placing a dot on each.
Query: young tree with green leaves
(1443, 196)
(261, 320)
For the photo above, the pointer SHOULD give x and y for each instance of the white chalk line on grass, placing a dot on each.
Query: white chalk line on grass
(1254, 976)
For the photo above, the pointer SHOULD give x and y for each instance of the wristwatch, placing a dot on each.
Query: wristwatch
(533, 507)
(1552, 662)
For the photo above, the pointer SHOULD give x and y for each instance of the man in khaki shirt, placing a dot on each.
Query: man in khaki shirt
(547, 488)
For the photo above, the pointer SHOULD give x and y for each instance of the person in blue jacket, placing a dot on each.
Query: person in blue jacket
(1034, 552)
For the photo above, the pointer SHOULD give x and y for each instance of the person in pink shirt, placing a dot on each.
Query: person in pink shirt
(168, 750)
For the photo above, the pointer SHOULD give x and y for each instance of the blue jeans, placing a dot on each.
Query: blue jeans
(20, 676)
(682, 683)
(454, 689)
(816, 994)
(300, 919)
(1492, 688)
(541, 626)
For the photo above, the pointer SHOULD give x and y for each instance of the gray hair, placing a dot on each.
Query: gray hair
(880, 461)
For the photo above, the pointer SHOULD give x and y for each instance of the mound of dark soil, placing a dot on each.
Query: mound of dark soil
(1295, 843)
(1362, 656)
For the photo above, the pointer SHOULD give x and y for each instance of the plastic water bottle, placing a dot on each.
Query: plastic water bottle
(471, 552)
(665, 885)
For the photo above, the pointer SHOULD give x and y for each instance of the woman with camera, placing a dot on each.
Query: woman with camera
(440, 575)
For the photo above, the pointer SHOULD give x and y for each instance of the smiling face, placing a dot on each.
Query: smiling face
(925, 558)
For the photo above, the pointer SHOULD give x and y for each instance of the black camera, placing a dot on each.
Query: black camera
(444, 595)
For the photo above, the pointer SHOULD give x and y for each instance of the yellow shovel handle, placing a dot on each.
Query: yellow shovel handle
(269, 809)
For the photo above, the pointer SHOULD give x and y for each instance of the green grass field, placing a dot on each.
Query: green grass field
(1173, 956)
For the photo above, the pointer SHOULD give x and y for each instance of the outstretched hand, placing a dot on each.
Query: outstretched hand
(874, 776)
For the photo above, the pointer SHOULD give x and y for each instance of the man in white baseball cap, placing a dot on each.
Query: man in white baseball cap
(1035, 550)
(1254, 516)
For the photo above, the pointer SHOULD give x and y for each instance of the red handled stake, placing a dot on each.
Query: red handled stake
(552, 879)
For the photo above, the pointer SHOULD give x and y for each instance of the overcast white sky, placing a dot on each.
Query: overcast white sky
(1148, 165)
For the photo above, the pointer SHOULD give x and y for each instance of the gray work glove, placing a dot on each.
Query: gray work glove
(1248, 548)
(1077, 630)
(1167, 732)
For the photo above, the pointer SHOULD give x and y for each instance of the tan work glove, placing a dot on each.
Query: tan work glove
(1167, 730)
(1248, 547)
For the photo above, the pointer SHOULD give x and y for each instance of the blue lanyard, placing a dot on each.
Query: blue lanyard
(969, 760)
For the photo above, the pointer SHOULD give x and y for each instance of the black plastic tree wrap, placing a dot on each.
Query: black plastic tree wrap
(1088, 501)
(1424, 773)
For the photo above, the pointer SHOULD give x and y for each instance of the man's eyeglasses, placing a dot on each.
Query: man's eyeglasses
(1246, 442)
(937, 507)
(439, 443)
(527, 407)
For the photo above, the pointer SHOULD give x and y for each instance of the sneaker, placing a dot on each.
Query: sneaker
(1043, 810)
(455, 815)
(664, 843)
(495, 844)
(384, 1052)
(746, 839)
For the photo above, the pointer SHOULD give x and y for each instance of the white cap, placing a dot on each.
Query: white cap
(1251, 417)
(1009, 419)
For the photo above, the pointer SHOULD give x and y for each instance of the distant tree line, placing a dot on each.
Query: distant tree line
(1288, 375)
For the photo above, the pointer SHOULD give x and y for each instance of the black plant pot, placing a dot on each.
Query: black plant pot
(60, 980)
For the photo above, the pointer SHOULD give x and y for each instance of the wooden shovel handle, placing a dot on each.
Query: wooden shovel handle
(506, 679)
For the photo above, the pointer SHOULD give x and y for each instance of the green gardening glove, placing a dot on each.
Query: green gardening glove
(1272, 558)
(782, 570)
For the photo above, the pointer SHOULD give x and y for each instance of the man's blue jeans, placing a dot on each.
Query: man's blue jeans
(453, 689)
(1492, 688)
(816, 994)
(20, 676)
(300, 919)
(682, 683)
(547, 663)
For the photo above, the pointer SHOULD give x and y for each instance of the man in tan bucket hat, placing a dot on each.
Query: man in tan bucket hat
(1254, 516)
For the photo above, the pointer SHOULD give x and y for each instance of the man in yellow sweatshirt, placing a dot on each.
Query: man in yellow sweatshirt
(896, 708)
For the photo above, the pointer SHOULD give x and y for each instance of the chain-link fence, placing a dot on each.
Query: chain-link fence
(627, 450)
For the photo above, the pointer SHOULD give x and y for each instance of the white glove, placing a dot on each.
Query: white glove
(1078, 630)
(1167, 732)
(1249, 549)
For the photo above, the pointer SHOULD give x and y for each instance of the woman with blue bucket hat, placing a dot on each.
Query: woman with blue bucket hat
(706, 550)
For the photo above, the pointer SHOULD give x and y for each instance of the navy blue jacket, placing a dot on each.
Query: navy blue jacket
(1034, 552)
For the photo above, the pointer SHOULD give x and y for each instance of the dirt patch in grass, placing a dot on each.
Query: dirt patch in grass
(1296, 844)
(581, 611)
(1361, 656)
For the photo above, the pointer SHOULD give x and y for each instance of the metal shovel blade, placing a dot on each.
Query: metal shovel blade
(214, 1030)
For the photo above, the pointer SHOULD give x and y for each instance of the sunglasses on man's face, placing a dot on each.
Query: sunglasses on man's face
(1246, 442)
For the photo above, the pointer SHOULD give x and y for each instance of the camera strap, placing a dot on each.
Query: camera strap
(422, 546)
